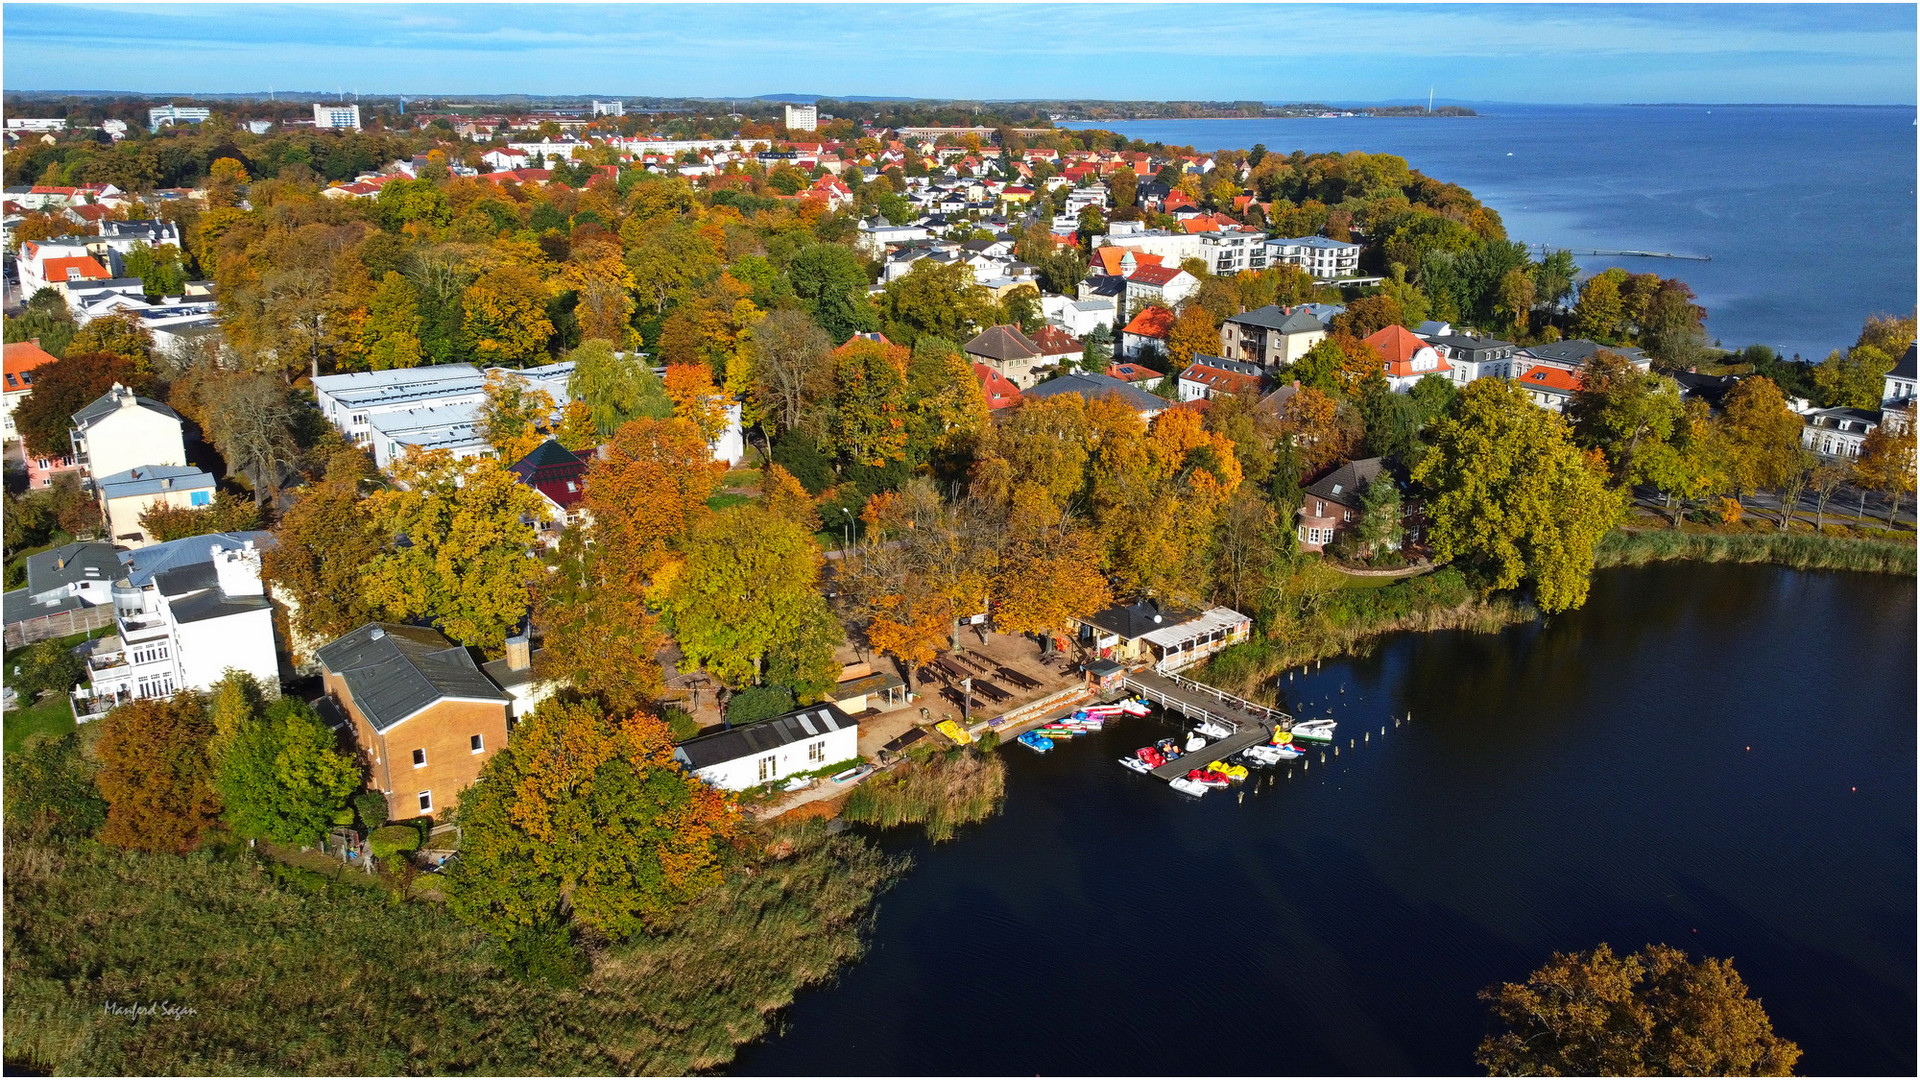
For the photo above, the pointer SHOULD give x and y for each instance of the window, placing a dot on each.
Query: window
(768, 767)
(426, 801)
(201, 498)
(477, 743)
(419, 758)
(817, 752)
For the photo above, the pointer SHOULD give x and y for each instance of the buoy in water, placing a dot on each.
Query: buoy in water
(1369, 736)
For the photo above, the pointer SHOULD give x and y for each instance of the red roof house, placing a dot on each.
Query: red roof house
(999, 390)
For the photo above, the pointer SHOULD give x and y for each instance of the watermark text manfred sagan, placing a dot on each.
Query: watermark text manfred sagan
(162, 1010)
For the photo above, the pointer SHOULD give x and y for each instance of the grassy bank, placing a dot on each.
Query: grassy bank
(287, 973)
(941, 791)
(1796, 550)
(1330, 618)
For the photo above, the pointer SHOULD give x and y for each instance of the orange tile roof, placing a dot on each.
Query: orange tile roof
(1232, 382)
(1054, 341)
(1552, 378)
(1397, 347)
(56, 269)
(1109, 258)
(1131, 372)
(1155, 275)
(1153, 322)
(21, 358)
(999, 390)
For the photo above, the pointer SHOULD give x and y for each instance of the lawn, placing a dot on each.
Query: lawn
(726, 499)
(51, 715)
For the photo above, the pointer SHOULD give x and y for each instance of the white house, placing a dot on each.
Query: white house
(185, 612)
(350, 401)
(1324, 259)
(805, 740)
(1162, 284)
(1471, 356)
(121, 430)
(1209, 377)
(1837, 434)
(124, 496)
(1078, 317)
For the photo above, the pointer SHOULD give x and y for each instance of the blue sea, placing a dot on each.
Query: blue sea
(1807, 211)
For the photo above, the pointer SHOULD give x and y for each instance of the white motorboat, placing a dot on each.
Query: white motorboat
(1187, 787)
(1265, 755)
(1314, 730)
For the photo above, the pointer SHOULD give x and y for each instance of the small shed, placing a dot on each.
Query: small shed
(774, 749)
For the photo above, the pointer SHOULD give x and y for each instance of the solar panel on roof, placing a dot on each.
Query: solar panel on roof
(807, 724)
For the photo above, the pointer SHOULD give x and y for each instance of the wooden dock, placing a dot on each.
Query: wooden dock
(1214, 751)
(1249, 722)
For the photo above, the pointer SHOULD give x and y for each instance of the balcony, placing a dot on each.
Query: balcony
(90, 706)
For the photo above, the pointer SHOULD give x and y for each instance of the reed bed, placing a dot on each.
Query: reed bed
(941, 792)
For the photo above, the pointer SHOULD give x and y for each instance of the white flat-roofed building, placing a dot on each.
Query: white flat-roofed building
(350, 401)
(1320, 257)
(802, 118)
(609, 108)
(164, 115)
(346, 117)
(454, 428)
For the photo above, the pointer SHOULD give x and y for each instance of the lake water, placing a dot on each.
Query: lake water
(1720, 758)
(1808, 212)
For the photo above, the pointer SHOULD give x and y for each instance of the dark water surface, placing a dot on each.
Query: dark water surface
(1808, 211)
(1558, 786)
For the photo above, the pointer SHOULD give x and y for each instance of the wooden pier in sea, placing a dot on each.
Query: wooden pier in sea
(1627, 253)
(1250, 723)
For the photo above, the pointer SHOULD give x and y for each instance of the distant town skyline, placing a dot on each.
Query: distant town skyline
(1548, 54)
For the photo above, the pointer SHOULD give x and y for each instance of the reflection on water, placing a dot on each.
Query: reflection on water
(1717, 757)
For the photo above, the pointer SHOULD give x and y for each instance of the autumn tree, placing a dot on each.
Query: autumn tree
(1599, 314)
(869, 420)
(515, 416)
(119, 334)
(1195, 332)
(1655, 1012)
(164, 521)
(1759, 435)
(793, 369)
(1510, 495)
(924, 566)
(584, 818)
(156, 776)
(784, 496)
(1368, 315)
(1616, 408)
(63, 388)
(1049, 569)
(506, 315)
(601, 637)
(1320, 429)
(390, 336)
(615, 387)
(696, 400)
(1886, 465)
(831, 284)
(948, 409)
(467, 527)
(281, 777)
(941, 300)
(746, 603)
(1853, 379)
(322, 544)
(648, 489)
(253, 419)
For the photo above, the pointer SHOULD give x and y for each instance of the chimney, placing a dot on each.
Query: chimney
(519, 652)
(376, 634)
(166, 483)
(237, 571)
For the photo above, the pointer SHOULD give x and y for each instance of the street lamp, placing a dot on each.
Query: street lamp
(848, 528)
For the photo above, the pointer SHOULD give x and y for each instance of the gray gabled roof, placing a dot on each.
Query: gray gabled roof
(1003, 343)
(153, 479)
(1576, 351)
(1344, 484)
(108, 403)
(1091, 386)
(1138, 619)
(70, 564)
(394, 671)
(1904, 367)
(762, 737)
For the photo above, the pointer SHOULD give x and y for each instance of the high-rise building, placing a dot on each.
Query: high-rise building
(337, 116)
(609, 108)
(802, 117)
(164, 115)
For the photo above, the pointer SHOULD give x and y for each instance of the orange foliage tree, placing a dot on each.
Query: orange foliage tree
(156, 775)
(696, 400)
(648, 490)
(585, 817)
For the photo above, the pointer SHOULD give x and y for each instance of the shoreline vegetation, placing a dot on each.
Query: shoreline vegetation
(282, 970)
(941, 790)
(1355, 618)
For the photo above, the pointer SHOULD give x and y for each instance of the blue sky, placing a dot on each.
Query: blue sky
(1814, 53)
